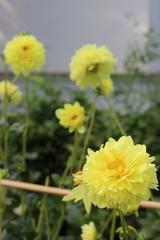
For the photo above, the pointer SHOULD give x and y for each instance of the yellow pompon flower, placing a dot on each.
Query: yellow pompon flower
(71, 116)
(90, 64)
(89, 231)
(11, 91)
(120, 173)
(106, 86)
(25, 54)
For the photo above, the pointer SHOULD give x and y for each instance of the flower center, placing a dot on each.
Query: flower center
(117, 166)
(93, 68)
(25, 48)
(74, 117)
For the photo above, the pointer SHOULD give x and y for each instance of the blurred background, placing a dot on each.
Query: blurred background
(131, 29)
(64, 26)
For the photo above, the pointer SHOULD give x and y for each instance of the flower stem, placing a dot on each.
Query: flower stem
(71, 159)
(124, 225)
(2, 209)
(5, 117)
(69, 166)
(89, 130)
(105, 225)
(48, 229)
(112, 233)
(4, 135)
(59, 224)
(1, 145)
(39, 228)
(115, 117)
(26, 125)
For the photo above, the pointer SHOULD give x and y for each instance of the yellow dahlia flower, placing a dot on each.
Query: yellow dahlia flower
(25, 54)
(71, 116)
(119, 174)
(106, 86)
(90, 64)
(11, 91)
(89, 231)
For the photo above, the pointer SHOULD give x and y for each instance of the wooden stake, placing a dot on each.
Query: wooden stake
(33, 187)
(150, 204)
(59, 191)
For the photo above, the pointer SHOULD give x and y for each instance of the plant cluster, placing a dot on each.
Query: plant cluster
(46, 139)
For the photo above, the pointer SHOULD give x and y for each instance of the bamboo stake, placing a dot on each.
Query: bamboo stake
(150, 204)
(59, 191)
(33, 187)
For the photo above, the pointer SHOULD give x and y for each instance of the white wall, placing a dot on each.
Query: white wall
(154, 8)
(64, 25)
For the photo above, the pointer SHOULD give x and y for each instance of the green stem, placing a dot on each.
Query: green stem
(2, 209)
(4, 145)
(112, 233)
(1, 146)
(69, 166)
(75, 151)
(24, 203)
(71, 159)
(26, 125)
(49, 237)
(105, 225)
(115, 117)
(1, 220)
(24, 138)
(5, 117)
(59, 224)
(124, 225)
(41, 219)
(89, 130)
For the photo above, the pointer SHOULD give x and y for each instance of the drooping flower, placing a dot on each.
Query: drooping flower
(11, 91)
(90, 65)
(71, 116)
(89, 231)
(25, 54)
(106, 86)
(120, 173)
